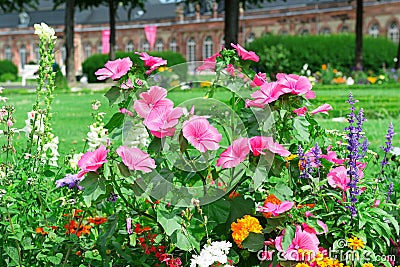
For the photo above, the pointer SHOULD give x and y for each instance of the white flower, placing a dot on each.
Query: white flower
(135, 135)
(73, 162)
(98, 135)
(4, 99)
(216, 252)
(396, 151)
(44, 31)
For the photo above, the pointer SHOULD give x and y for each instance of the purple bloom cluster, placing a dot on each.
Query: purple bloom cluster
(70, 180)
(388, 145)
(305, 163)
(390, 191)
(113, 197)
(357, 147)
(316, 151)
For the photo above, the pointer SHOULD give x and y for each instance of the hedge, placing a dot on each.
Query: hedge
(97, 61)
(7, 67)
(289, 53)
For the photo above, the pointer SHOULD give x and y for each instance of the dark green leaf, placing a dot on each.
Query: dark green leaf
(169, 221)
(300, 126)
(254, 242)
(113, 94)
(183, 143)
(239, 208)
(217, 211)
(155, 146)
(94, 188)
(116, 121)
(288, 237)
(56, 259)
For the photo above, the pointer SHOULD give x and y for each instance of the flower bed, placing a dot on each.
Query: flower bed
(257, 182)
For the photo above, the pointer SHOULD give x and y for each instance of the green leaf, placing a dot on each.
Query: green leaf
(12, 252)
(240, 207)
(155, 146)
(217, 211)
(300, 127)
(183, 241)
(169, 221)
(183, 143)
(94, 188)
(55, 259)
(113, 94)
(109, 229)
(116, 121)
(288, 237)
(283, 190)
(254, 242)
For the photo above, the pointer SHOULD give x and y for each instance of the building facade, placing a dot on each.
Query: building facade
(196, 31)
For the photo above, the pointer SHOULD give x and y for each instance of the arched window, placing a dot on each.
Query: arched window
(207, 47)
(250, 38)
(8, 53)
(159, 45)
(344, 29)
(325, 31)
(129, 46)
(393, 32)
(173, 46)
(99, 48)
(22, 55)
(191, 50)
(145, 45)
(87, 50)
(374, 30)
(36, 51)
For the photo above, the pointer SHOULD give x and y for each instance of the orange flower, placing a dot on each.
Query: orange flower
(78, 253)
(242, 228)
(39, 230)
(84, 229)
(271, 199)
(71, 227)
(233, 194)
(97, 220)
(139, 230)
(76, 213)
(306, 205)
(323, 67)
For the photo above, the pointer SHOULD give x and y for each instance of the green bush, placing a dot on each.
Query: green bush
(5, 77)
(60, 81)
(97, 61)
(315, 50)
(7, 66)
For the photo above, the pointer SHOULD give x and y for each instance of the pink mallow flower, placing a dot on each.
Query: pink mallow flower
(295, 84)
(276, 209)
(114, 69)
(258, 144)
(92, 161)
(332, 156)
(153, 98)
(268, 93)
(209, 63)
(231, 70)
(234, 154)
(150, 61)
(161, 121)
(322, 109)
(244, 54)
(259, 79)
(304, 246)
(338, 178)
(135, 159)
(201, 134)
(300, 111)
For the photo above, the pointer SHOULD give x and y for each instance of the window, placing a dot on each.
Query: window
(325, 31)
(36, 51)
(374, 30)
(22, 56)
(145, 45)
(207, 47)
(393, 32)
(250, 38)
(7, 53)
(283, 32)
(129, 46)
(87, 50)
(173, 46)
(222, 43)
(63, 53)
(191, 50)
(99, 48)
(304, 32)
(159, 45)
(344, 29)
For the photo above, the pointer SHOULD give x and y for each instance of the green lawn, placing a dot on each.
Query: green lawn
(72, 111)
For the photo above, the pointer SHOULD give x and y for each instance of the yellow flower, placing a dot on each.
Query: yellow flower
(292, 156)
(372, 79)
(367, 265)
(355, 243)
(302, 265)
(205, 84)
(242, 228)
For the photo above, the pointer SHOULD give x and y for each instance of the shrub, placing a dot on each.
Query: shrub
(7, 66)
(60, 81)
(315, 50)
(5, 77)
(97, 61)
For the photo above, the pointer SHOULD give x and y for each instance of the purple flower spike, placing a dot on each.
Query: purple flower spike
(70, 180)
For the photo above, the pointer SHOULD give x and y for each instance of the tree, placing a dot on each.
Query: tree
(69, 23)
(18, 5)
(358, 61)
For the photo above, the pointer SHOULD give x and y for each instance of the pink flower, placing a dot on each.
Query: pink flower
(209, 63)
(125, 111)
(92, 161)
(311, 230)
(300, 111)
(259, 79)
(259, 143)
(269, 92)
(234, 154)
(337, 178)
(114, 69)
(302, 243)
(377, 202)
(201, 134)
(294, 84)
(332, 156)
(322, 109)
(244, 54)
(161, 120)
(135, 159)
(230, 69)
(150, 61)
(276, 209)
(151, 99)
(127, 85)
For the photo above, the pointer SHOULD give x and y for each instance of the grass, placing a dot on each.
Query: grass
(72, 111)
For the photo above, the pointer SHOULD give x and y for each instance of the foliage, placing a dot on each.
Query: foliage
(335, 50)
(7, 66)
(8, 77)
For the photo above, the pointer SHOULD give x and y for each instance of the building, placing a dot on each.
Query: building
(196, 31)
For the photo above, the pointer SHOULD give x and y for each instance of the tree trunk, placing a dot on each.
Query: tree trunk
(359, 34)
(69, 40)
(112, 9)
(231, 22)
(397, 64)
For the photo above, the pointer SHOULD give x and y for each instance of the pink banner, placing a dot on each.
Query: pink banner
(105, 41)
(150, 31)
